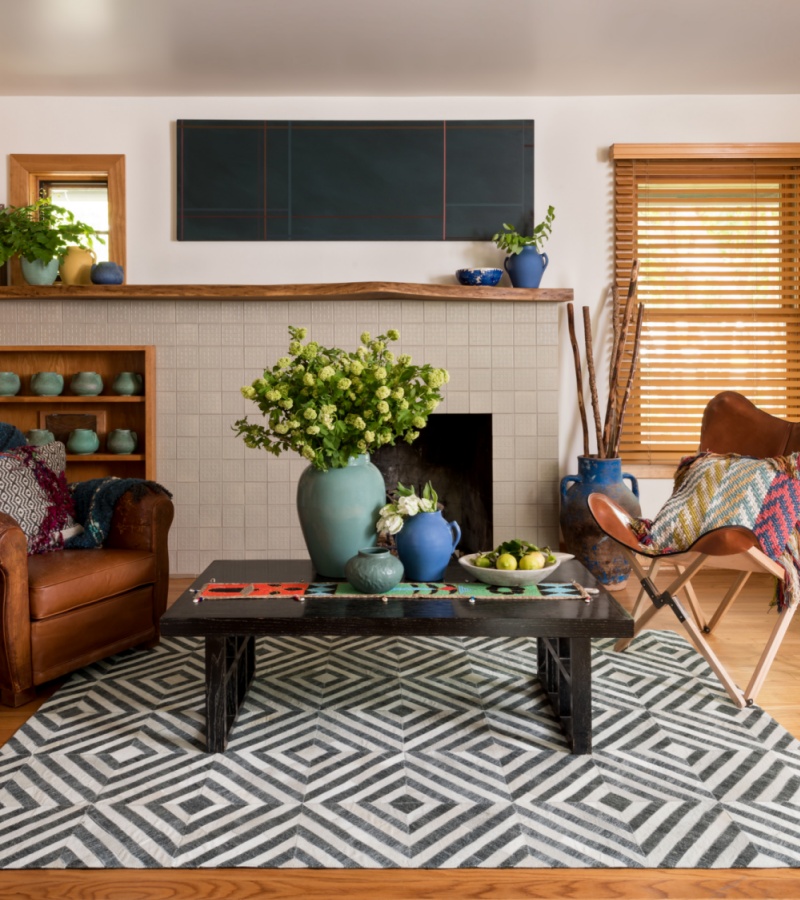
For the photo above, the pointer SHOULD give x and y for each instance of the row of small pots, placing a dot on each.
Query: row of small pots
(84, 384)
(82, 441)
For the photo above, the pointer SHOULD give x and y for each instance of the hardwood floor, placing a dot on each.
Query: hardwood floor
(740, 638)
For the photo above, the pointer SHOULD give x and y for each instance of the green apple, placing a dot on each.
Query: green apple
(534, 560)
(506, 561)
(483, 562)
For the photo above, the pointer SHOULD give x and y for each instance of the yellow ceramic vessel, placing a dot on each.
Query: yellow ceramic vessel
(77, 266)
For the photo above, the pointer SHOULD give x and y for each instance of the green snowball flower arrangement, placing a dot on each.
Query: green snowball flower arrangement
(328, 404)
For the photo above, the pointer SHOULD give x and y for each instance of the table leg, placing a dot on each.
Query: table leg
(565, 670)
(230, 666)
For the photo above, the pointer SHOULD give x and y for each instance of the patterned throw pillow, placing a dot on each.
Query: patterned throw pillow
(33, 490)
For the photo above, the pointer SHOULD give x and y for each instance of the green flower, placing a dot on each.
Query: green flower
(328, 404)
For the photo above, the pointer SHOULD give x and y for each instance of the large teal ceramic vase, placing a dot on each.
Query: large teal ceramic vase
(338, 510)
(425, 544)
(601, 555)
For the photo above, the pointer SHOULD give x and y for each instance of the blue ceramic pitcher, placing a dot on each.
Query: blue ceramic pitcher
(525, 269)
(425, 544)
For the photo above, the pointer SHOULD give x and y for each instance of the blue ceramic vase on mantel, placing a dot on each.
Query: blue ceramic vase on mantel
(525, 269)
(425, 544)
(338, 509)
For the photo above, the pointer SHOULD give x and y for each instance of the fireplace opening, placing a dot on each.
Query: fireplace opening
(454, 452)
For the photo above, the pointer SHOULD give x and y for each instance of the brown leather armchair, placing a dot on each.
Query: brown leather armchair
(63, 610)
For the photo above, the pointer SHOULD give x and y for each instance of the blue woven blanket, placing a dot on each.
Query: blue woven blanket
(95, 501)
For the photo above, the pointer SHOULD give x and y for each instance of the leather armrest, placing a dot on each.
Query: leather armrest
(15, 617)
(141, 524)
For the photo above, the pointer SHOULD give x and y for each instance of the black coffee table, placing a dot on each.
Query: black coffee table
(563, 628)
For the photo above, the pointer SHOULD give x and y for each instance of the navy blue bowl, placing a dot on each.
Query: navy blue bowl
(487, 277)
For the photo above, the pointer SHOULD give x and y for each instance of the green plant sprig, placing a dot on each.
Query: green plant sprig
(329, 405)
(42, 231)
(512, 242)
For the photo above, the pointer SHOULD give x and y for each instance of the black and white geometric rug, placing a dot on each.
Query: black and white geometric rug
(384, 752)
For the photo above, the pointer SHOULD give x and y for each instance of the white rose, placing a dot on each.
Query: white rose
(408, 506)
(391, 524)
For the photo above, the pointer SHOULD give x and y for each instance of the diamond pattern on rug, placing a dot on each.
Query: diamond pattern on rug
(399, 752)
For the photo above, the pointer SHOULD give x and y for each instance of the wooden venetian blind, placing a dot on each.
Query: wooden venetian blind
(717, 235)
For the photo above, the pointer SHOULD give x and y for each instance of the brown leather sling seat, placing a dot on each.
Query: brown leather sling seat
(731, 424)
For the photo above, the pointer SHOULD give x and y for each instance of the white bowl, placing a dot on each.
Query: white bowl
(512, 577)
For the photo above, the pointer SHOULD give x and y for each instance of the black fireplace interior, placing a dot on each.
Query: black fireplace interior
(454, 453)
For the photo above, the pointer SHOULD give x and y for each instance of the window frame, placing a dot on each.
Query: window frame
(654, 153)
(28, 170)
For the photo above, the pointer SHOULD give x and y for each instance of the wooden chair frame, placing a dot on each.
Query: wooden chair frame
(731, 424)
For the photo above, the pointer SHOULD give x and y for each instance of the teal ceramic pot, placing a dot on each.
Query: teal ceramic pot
(128, 384)
(425, 544)
(36, 272)
(121, 440)
(82, 441)
(373, 570)
(47, 384)
(9, 384)
(86, 384)
(601, 555)
(338, 510)
(39, 437)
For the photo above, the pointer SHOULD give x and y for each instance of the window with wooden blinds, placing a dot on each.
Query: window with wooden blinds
(717, 236)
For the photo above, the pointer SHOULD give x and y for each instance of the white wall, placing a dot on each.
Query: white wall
(572, 173)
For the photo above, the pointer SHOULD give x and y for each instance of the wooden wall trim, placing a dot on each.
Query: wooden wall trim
(705, 151)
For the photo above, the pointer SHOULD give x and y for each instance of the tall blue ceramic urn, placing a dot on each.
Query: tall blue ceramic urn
(601, 555)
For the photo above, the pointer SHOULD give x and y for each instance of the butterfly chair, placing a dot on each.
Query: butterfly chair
(731, 424)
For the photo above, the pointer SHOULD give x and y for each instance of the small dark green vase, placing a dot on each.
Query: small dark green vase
(374, 570)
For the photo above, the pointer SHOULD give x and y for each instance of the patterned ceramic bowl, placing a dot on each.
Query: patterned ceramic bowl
(505, 578)
(487, 277)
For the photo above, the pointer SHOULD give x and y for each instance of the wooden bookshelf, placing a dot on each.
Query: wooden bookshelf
(137, 413)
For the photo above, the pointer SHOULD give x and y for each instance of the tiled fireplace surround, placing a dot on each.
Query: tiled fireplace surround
(236, 503)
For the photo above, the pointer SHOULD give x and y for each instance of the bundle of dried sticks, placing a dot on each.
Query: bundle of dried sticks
(609, 433)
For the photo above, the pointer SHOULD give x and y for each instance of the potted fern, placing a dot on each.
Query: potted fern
(525, 262)
(41, 234)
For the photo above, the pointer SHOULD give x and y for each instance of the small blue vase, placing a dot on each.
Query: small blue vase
(374, 570)
(107, 273)
(525, 269)
(338, 509)
(425, 544)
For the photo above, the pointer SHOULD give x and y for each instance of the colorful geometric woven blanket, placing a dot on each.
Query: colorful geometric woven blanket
(718, 490)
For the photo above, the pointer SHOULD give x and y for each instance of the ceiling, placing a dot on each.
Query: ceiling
(398, 47)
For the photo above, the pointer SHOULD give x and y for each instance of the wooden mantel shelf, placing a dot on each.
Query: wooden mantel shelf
(354, 290)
